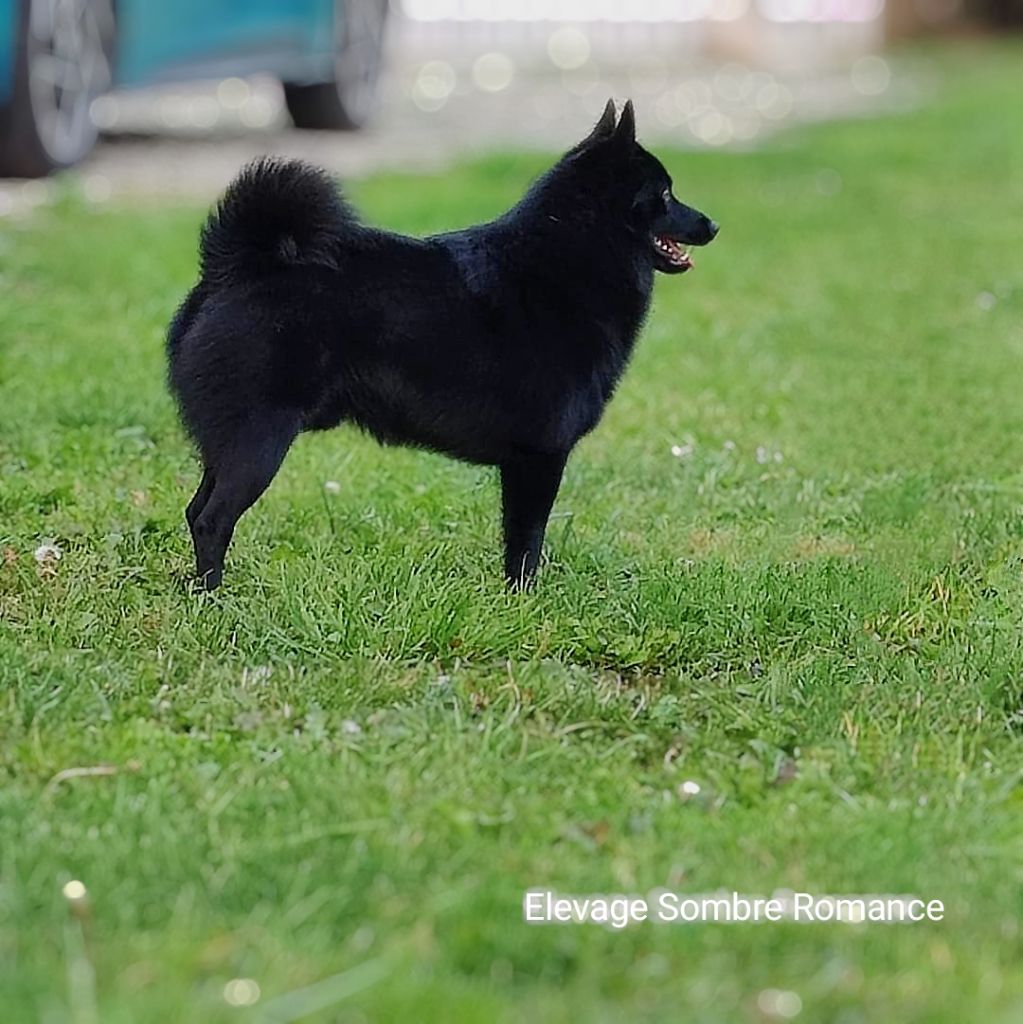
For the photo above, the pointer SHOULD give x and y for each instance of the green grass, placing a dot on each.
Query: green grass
(344, 768)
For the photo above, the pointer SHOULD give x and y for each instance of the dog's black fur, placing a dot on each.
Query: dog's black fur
(499, 344)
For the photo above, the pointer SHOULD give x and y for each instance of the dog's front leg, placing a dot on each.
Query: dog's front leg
(529, 483)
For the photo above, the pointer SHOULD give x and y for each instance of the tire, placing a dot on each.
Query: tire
(348, 101)
(62, 63)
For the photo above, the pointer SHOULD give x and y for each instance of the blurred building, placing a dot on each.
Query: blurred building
(716, 20)
(764, 32)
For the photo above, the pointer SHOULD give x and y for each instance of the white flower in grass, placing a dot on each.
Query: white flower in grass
(47, 553)
(350, 727)
(683, 451)
(332, 487)
(765, 455)
(75, 891)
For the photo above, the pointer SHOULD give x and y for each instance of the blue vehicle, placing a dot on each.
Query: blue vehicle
(57, 56)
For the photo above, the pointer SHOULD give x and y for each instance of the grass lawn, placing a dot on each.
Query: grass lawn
(337, 775)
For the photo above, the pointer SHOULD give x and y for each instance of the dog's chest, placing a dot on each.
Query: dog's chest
(581, 402)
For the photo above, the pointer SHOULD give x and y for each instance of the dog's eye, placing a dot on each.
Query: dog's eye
(666, 195)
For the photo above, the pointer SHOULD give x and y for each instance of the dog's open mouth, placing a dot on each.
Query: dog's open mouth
(675, 253)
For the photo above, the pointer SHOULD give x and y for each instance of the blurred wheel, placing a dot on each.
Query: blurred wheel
(348, 101)
(62, 64)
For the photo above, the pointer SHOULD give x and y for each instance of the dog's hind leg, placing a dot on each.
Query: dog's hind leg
(199, 499)
(241, 472)
(529, 484)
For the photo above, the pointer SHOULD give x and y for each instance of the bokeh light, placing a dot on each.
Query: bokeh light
(234, 93)
(434, 83)
(258, 112)
(568, 47)
(779, 1004)
(104, 113)
(493, 72)
(241, 992)
(871, 75)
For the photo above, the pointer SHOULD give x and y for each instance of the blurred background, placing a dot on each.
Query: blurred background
(141, 97)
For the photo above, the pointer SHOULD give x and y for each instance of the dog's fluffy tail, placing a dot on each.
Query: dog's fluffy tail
(276, 213)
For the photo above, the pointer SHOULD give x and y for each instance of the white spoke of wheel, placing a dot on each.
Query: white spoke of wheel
(55, 70)
(41, 16)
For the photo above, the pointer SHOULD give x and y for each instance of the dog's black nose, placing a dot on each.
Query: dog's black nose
(713, 228)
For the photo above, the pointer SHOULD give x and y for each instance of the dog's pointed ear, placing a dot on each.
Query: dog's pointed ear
(626, 130)
(605, 127)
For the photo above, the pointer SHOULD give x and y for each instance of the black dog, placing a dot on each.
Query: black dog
(499, 344)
